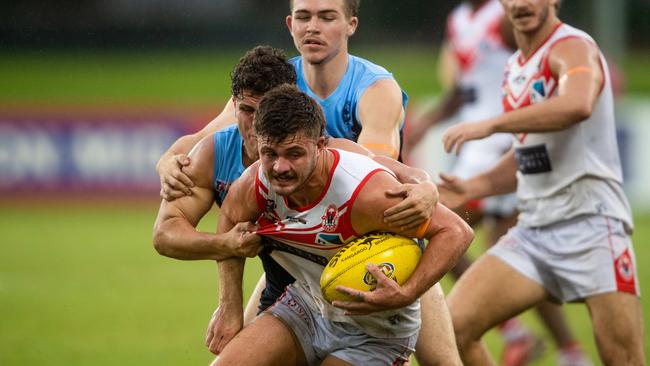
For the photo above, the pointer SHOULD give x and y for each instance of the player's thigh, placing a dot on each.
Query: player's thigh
(254, 301)
(618, 327)
(334, 361)
(266, 341)
(436, 343)
(489, 293)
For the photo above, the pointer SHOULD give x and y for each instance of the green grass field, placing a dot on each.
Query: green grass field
(80, 283)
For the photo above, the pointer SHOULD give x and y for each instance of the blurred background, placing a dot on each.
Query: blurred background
(93, 91)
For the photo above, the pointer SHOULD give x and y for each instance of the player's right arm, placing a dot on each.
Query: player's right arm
(240, 206)
(175, 234)
(174, 183)
(501, 179)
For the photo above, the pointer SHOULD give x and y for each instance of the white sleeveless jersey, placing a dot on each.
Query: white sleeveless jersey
(571, 172)
(480, 51)
(305, 239)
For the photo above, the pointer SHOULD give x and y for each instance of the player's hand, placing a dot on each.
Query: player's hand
(387, 295)
(456, 136)
(453, 191)
(243, 241)
(418, 205)
(174, 183)
(224, 325)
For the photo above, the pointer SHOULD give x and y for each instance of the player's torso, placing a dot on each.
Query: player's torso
(551, 166)
(303, 240)
(341, 107)
(228, 164)
(309, 236)
(481, 54)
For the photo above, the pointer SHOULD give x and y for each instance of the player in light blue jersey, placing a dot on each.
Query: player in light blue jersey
(341, 107)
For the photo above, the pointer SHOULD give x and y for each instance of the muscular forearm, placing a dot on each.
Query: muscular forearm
(554, 114)
(177, 238)
(501, 179)
(404, 173)
(231, 272)
(440, 256)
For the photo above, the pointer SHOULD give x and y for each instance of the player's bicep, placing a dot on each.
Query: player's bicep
(381, 114)
(577, 65)
(191, 208)
(240, 204)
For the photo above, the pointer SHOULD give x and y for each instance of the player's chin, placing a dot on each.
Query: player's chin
(314, 57)
(284, 188)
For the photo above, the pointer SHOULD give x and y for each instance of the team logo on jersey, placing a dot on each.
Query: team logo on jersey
(539, 90)
(387, 268)
(347, 113)
(331, 218)
(332, 239)
(269, 211)
(221, 186)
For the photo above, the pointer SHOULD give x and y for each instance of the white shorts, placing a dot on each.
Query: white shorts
(320, 337)
(574, 259)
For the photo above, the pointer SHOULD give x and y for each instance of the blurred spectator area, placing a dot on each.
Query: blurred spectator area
(206, 23)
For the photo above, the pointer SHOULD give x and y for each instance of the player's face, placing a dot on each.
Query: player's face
(320, 29)
(528, 16)
(245, 108)
(289, 163)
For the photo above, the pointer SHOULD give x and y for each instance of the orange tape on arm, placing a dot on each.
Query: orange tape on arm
(576, 70)
(422, 228)
(382, 147)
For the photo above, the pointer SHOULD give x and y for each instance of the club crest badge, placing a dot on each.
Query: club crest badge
(331, 218)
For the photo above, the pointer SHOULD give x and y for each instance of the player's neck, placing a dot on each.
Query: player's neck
(324, 78)
(477, 4)
(530, 42)
(313, 187)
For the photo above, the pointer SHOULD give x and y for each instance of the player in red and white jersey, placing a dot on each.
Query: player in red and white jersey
(479, 41)
(572, 241)
(308, 200)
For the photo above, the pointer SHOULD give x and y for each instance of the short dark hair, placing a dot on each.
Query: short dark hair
(351, 7)
(260, 70)
(286, 111)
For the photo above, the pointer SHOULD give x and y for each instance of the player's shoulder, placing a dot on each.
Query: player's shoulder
(364, 66)
(201, 168)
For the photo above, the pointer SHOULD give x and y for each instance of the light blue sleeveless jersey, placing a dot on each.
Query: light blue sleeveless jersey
(341, 107)
(228, 164)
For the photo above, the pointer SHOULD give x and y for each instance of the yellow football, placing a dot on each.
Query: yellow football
(396, 255)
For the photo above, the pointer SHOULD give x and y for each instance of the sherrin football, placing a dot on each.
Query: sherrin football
(396, 255)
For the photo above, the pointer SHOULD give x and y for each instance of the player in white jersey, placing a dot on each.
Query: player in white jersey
(321, 30)
(572, 240)
(296, 181)
(478, 44)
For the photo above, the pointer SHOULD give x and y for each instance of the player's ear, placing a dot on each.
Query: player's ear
(289, 22)
(353, 22)
(321, 143)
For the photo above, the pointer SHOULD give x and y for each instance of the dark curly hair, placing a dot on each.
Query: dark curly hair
(351, 7)
(260, 70)
(286, 111)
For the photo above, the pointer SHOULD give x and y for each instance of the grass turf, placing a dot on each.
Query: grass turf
(82, 285)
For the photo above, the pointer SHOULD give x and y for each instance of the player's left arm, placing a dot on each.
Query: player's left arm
(575, 63)
(381, 115)
(449, 237)
(418, 191)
